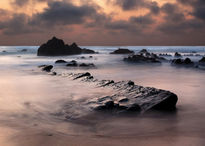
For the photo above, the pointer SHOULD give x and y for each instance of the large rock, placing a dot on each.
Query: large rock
(122, 51)
(57, 47)
(186, 61)
(144, 57)
(128, 97)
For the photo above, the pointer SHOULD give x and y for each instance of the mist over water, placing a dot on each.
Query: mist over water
(31, 102)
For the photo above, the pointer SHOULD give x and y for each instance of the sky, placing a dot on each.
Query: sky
(103, 22)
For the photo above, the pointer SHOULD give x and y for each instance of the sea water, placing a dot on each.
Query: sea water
(31, 100)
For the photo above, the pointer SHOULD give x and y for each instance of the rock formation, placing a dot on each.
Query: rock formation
(57, 47)
(122, 51)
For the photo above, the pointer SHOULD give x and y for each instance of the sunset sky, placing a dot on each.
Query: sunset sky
(103, 22)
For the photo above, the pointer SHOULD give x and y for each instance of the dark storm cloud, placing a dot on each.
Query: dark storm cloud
(64, 13)
(136, 4)
(133, 25)
(130, 4)
(176, 22)
(198, 7)
(16, 25)
(144, 20)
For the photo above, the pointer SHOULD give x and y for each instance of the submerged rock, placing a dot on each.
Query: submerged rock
(87, 65)
(47, 68)
(144, 57)
(73, 63)
(122, 51)
(57, 47)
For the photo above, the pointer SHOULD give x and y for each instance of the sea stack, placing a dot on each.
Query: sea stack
(57, 47)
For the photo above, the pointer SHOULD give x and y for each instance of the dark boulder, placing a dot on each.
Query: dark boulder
(72, 63)
(57, 47)
(131, 83)
(202, 60)
(177, 54)
(47, 68)
(144, 56)
(122, 51)
(61, 61)
(187, 61)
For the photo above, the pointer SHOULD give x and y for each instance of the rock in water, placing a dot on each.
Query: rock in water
(122, 51)
(61, 61)
(177, 54)
(202, 60)
(144, 57)
(128, 97)
(47, 68)
(57, 47)
(179, 61)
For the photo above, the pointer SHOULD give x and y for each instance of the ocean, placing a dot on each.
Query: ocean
(32, 102)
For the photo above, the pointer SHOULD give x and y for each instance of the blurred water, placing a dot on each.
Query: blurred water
(30, 98)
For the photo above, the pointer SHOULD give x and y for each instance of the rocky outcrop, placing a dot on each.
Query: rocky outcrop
(122, 51)
(177, 55)
(57, 47)
(144, 57)
(186, 61)
(46, 68)
(128, 98)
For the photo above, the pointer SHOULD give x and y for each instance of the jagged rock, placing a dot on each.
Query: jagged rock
(131, 83)
(122, 51)
(57, 47)
(87, 74)
(144, 57)
(61, 61)
(47, 68)
(129, 98)
(177, 54)
(187, 61)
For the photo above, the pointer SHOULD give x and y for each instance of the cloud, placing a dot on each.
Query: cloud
(16, 25)
(64, 13)
(20, 3)
(175, 21)
(198, 7)
(130, 4)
